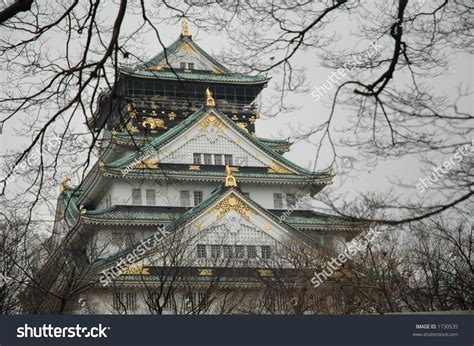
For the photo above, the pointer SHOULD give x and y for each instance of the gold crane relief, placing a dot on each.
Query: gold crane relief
(153, 122)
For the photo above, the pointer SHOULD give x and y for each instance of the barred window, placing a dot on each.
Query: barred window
(154, 298)
(150, 197)
(215, 251)
(217, 159)
(265, 252)
(251, 251)
(170, 304)
(227, 251)
(197, 158)
(189, 299)
(190, 65)
(118, 303)
(239, 251)
(201, 251)
(184, 198)
(228, 159)
(197, 197)
(136, 196)
(278, 200)
(182, 65)
(290, 200)
(208, 159)
(125, 301)
(131, 300)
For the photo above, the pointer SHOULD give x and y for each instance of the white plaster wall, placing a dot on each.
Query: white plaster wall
(103, 245)
(211, 141)
(169, 194)
(100, 301)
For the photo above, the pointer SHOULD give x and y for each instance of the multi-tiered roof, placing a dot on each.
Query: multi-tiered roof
(170, 86)
(157, 106)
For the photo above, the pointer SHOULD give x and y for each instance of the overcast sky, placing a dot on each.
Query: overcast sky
(363, 177)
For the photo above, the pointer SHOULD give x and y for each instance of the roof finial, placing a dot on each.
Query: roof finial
(184, 28)
(65, 184)
(229, 179)
(209, 99)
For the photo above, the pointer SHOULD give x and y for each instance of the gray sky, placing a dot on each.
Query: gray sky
(310, 112)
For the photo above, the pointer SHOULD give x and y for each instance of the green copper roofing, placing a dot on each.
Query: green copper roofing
(216, 174)
(127, 136)
(67, 201)
(160, 214)
(144, 70)
(200, 76)
(270, 141)
(195, 117)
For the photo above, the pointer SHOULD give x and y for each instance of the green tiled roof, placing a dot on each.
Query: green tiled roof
(270, 141)
(215, 173)
(311, 217)
(67, 201)
(127, 136)
(133, 212)
(170, 214)
(143, 70)
(199, 76)
(192, 119)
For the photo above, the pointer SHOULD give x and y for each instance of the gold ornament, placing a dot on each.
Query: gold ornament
(132, 129)
(211, 120)
(148, 163)
(243, 126)
(231, 203)
(184, 28)
(209, 99)
(205, 271)
(185, 48)
(275, 167)
(153, 122)
(229, 179)
(265, 272)
(136, 270)
(215, 70)
(65, 184)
